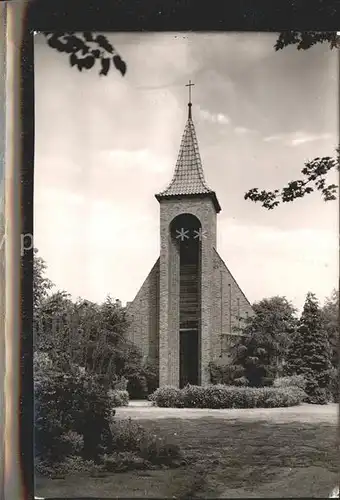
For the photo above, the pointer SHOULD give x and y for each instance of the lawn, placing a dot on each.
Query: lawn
(231, 459)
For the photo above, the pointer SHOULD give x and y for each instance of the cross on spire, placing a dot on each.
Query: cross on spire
(190, 85)
(189, 104)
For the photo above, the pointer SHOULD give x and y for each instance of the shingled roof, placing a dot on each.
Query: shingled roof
(188, 178)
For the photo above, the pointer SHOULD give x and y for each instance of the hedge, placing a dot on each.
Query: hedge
(291, 381)
(222, 396)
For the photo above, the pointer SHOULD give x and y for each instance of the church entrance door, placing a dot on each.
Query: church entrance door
(188, 358)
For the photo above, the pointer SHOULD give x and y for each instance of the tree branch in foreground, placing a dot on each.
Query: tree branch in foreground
(306, 39)
(85, 49)
(314, 172)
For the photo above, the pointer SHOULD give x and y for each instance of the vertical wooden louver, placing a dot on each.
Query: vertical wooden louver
(189, 296)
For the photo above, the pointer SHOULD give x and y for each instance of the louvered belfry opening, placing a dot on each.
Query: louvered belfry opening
(186, 231)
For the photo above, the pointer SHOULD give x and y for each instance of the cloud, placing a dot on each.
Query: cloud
(244, 130)
(219, 118)
(141, 159)
(272, 138)
(59, 196)
(312, 256)
(303, 138)
(297, 138)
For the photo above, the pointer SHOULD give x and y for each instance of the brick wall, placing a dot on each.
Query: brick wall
(227, 308)
(143, 316)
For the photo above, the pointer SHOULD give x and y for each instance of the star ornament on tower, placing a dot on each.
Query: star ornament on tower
(182, 234)
(199, 233)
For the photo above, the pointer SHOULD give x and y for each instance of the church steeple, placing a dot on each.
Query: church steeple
(188, 178)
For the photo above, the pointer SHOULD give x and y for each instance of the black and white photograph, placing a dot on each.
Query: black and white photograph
(185, 273)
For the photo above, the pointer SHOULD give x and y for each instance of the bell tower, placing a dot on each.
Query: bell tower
(188, 209)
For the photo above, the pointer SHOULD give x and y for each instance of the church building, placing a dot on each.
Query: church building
(190, 308)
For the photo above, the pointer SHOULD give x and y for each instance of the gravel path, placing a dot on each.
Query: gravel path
(304, 413)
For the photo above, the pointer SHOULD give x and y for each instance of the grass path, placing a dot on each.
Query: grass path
(231, 459)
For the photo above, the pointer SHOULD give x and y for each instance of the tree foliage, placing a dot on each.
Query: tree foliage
(330, 322)
(304, 40)
(85, 49)
(89, 335)
(41, 284)
(309, 353)
(67, 403)
(314, 179)
(265, 340)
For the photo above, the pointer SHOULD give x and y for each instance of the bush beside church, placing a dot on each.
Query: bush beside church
(223, 396)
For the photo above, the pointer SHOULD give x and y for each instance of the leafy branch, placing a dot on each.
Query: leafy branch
(85, 49)
(306, 39)
(314, 172)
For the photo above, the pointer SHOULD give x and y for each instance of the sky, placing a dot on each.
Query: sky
(105, 145)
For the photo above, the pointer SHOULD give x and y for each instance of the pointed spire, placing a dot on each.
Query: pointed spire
(188, 178)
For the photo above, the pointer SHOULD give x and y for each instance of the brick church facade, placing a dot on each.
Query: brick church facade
(190, 308)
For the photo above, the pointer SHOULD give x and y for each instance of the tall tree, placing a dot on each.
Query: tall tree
(87, 335)
(309, 353)
(54, 327)
(265, 340)
(330, 321)
(41, 284)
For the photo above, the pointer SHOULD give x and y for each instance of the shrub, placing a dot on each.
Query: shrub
(123, 461)
(284, 397)
(126, 435)
(219, 397)
(67, 405)
(143, 381)
(120, 384)
(221, 373)
(70, 465)
(241, 381)
(335, 385)
(222, 396)
(319, 396)
(193, 396)
(152, 376)
(167, 397)
(292, 381)
(118, 397)
(137, 386)
(74, 443)
(130, 437)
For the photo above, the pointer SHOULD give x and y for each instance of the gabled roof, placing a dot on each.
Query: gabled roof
(188, 178)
